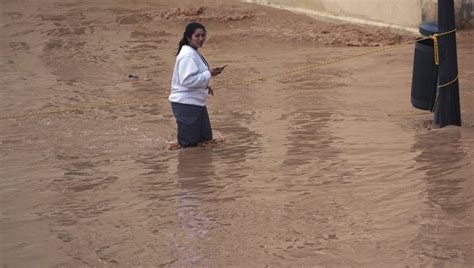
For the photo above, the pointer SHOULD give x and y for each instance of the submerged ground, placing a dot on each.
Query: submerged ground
(328, 167)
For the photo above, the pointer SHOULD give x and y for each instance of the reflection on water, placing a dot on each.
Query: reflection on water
(446, 232)
(195, 170)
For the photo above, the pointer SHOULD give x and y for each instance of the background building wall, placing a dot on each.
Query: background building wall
(463, 8)
(403, 14)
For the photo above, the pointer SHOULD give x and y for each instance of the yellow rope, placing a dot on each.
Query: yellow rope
(79, 109)
(435, 106)
(313, 66)
(449, 83)
(436, 50)
(436, 57)
(435, 38)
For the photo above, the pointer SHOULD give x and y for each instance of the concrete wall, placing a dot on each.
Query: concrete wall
(463, 8)
(399, 14)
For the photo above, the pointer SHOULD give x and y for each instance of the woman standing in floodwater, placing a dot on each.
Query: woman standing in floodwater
(189, 88)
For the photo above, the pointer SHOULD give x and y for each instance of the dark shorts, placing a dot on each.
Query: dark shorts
(193, 124)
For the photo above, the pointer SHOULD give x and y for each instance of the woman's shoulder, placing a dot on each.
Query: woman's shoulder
(187, 51)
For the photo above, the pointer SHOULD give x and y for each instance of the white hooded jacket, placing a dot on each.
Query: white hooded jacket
(190, 80)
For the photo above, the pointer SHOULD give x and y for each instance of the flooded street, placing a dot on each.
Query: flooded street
(323, 168)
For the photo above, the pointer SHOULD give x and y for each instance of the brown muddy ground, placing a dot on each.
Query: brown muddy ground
(309, 169)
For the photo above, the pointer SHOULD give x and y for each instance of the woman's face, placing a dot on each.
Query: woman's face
(198, 38)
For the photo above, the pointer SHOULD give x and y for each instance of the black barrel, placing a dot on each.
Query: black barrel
(425, 71)
(429, 28)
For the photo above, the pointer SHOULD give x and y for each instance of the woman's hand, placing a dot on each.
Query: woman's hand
(210, 91)
(217, 70)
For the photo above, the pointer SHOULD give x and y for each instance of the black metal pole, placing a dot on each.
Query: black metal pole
(448, 110)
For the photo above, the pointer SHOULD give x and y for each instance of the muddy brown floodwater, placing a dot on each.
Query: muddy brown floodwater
(308, 169)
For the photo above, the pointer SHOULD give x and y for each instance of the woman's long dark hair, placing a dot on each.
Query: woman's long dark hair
(188, 33)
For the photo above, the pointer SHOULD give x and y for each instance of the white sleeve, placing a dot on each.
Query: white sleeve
(189, 75)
